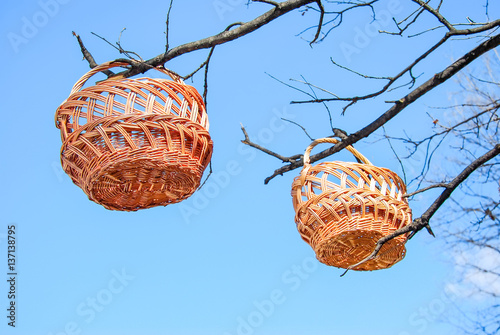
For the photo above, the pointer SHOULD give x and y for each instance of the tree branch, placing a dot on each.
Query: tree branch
(167, 23)
(399, 105)
(207, 61)
(425, 189)
(88, 56)
(355, 99)
(248, 142)
(119, 47)
(302, 127)
(458, 180)
(320, 24)
(223, 37)
(436, 13)
(274, 3)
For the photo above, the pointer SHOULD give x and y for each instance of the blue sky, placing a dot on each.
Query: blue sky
(229, 259)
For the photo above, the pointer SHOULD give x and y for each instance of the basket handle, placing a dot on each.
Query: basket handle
(108, 65)
(356, 153)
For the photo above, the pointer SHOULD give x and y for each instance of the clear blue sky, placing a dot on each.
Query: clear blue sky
(229, 259)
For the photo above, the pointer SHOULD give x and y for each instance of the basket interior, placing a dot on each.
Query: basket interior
(328, 176)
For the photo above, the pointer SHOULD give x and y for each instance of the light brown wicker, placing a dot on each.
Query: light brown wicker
(134, 143)
(343, 209)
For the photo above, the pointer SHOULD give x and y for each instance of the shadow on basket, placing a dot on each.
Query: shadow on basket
(343, 209)
(131, 144)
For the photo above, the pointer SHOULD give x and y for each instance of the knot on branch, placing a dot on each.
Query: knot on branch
(342, 134)
(418, 224)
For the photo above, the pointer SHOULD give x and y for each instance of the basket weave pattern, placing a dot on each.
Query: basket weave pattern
(342, 209)
(134, 143)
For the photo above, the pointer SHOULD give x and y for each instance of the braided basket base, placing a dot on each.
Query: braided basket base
(134, 162)
(129, 180)
(351, 247)
(134, 185)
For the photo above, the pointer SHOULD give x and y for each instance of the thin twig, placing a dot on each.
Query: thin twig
(88, 56)
(357, 73)
(288, 85)
(120, 49)
(274, 3)
(304, 129)
(436, 13)
(399, 105)
(220, 38)
(205, 63)
(208, 176)
(125, 52)
(308, 84)
(312, 87)
(320, 24)
(395, 154)
(248, 142)
(167, 23)
(408, 195)
(205, 85)
(393, 79)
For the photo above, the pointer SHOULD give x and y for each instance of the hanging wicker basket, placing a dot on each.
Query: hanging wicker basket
(343, 209)
(131, 144)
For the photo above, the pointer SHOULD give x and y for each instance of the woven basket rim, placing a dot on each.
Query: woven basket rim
(119, 80)
(342, 163)
(119, 63)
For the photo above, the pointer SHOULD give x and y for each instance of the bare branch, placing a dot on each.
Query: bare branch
(223, 37)
(313, 92)
(167, 45)
(274, 3)
(119, 47)
(88, 56)
(452, 32)
(458, 180)
(401, 104)
(395, 154)
(407, 195)
(304, 129)
(248, 142)
(355, 72)
(320, 24)
(305, 83)
(205, 85)
(338, 15)
(480, 29)
(436, 13)
(415, 16)
(205, 63)
(293, 87)
(355, 99)
(208, 176)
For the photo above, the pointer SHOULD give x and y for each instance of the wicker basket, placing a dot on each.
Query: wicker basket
(343, 209)
(131, 144)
